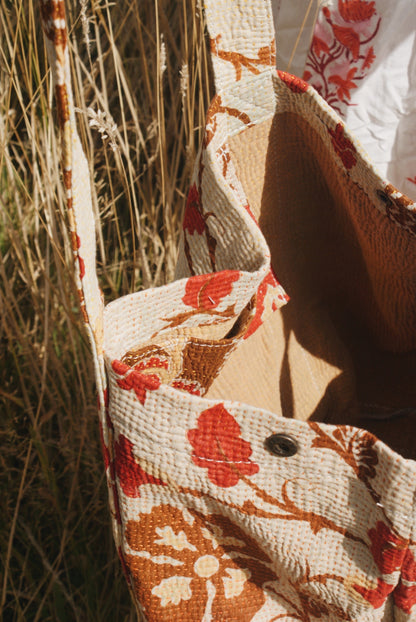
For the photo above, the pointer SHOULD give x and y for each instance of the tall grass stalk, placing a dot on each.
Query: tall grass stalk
(140, 127)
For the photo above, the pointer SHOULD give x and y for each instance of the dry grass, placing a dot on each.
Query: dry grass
(140, 120)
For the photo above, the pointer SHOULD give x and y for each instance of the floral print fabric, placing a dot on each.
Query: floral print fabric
(210, 519)
(209, 523)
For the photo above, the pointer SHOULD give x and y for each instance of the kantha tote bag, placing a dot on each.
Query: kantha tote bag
(258, 413)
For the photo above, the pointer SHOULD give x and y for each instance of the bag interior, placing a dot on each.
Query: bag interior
(343, 349)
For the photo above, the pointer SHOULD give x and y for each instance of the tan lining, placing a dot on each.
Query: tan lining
(344, 345)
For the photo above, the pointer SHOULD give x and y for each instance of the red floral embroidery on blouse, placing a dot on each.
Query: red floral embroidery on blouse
(348, 38)
(344, 86)
(219, 447)
(369, 58)
(319, 46)
(405, 594)
(297, 85)
(342, 50)
(356, 10)
(207, 290)
(133, 379)
(129, 472)
(343, 146)
(193, 220)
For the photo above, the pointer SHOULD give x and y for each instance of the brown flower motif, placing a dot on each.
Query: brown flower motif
(265, 56)
(195, 567)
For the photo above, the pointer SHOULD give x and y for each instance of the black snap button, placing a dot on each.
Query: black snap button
(383, 196)
(281, 445)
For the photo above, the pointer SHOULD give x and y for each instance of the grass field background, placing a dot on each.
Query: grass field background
(141, 84)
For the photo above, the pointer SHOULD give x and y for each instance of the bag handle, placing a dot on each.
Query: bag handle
(242, 42)
(242, 39)
(76, 180)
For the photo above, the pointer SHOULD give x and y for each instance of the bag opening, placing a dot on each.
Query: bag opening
(343, 350)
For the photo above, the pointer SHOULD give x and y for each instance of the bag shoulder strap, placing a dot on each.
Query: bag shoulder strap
(76, 175)
(242, 39)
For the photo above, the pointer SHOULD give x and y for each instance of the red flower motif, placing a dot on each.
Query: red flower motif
(387, 549)
(130, 474)
(343, 146)
(191, 387)
(405, 597)
(405, 594)
(344, 86)
(76, 245)
(193, 220)
(356, 10)
(413, 180)
(390, 554)
(133, 379)
(376, 596)
(269, 281)
(369, 58)
(348, 38)
(219, 447)
(81, 267)
(319, 46)
(297, 85)
(409, 567)
(206, 291)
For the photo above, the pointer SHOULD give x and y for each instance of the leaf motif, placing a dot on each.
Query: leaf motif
(368, 457)
(369, 58)
(348, 38)
(356, 10)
